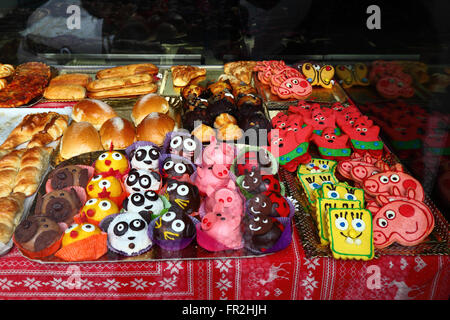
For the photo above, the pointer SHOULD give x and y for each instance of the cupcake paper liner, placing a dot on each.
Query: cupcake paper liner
(171, 245)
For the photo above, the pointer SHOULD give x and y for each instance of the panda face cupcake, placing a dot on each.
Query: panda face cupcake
(146, 158)
(127, 233)
(144, 202)
(139, 180)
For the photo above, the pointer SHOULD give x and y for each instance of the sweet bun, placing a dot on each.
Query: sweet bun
(80, 137)
(147, 104)
(154, 128)
(224, 119)
(118, 131)
(203, 133)
(93, 111)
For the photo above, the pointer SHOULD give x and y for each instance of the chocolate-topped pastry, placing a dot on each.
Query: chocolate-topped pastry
(60, 205)
(255, 120)
(200, 115)
(259, 204)
(253, 181)
(173, 225)
(249, 104)
(261, 232)
(37, 233)
(244, 90)
(219, 87)
(192, 91)
(183, 196)
(67, 176)
(195, 102)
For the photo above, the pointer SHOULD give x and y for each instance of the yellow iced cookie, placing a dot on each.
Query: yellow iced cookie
(322, 207)
(342, 191)
(317, 166)
(351, 233)
(313, 181)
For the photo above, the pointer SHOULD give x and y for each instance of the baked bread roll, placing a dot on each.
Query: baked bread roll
(51, 132)
(30, 125)
(224, 119)
(124, 92)
(96, 112)
(119, 82)
(79, 79)
(33, 164)
(9, 167)
(80, 137)
(11, 209)
(117, 131)
(182, 75)
(154, 128)
(65, 92)
(203, 133)
(128, 70)
(229, 132)
(148, 104)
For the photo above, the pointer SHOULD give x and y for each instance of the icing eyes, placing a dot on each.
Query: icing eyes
(382, 223)
(349, 196)
(324, 166)
(364, 129)
(167, 165)
(374, 173)
(314, 185)
(137, 225)
(310, 165)
(103, 156)
(295, 81)
(87, 227)
(384, 179)
(358, 225)
(140, 154)
(333, 194)
(390, 214)
(341, 224)
(96, 177)
(189, 144)
(176, 142)
(178, 225)
(180, 168)
(104, 184)
(289, 85)
(182, 190)
(120, 229)
(168, 216)
(71, 227)
(137, 199)
(264, 205)
(395, 178)
(154, 153)
(145, 182)
(172, 186)
(117, 156)
(105, 205)
(91, 201)
(151, 195)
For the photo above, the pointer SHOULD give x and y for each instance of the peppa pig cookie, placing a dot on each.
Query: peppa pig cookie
(351, 233)
(289, 83)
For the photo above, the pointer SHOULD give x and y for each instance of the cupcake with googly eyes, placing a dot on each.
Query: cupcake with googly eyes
(172, 166)
(110, 187)
(95, 210)
(184, 145)
(112, 163)
(174, 230)
(144, 155)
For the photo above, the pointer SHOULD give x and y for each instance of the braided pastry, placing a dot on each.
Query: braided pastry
(11, 209)
(6, 70)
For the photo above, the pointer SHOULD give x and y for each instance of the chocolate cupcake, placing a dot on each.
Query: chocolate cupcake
(68, 176)
(261, 232)
(255, 120)
(59, 205)
(249, 104)
(200, 115)
(217, 107)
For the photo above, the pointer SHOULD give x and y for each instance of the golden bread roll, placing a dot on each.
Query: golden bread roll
(80, 137)
(80, 79)
(96, 112)
(117, 131)
(65, 92)
(154, 128)
(224, 119)
(148, 104)
(125, 91)
(203, 132)
(119, 82)
(128, 70)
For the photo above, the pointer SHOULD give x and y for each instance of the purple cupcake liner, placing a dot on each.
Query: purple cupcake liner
(183, 133)
(138, 144)
(210, 244)
(171, 245)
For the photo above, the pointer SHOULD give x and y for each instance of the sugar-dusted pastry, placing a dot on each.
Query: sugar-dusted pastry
(351, 233)
(242, 70)
(52, 130)
(183, 74)
(224, 119)
(33, 164)
(11, 208)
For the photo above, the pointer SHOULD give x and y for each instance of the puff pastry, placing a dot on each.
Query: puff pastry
(51, 132)
(128, 70)
(241, 70)
(119, 82)
(6, 70)
(124, 92)
(9, 167)
(3, 84)
(182, 75)
(11, 209)
(65, 92)
(33, 163)
(80, 79)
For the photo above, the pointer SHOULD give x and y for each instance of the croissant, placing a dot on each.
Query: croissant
(6, 70)
(30, 124)
(3, 84)
(11, 209)
(9, 167)
(32, 166)
(52, 131)
(242, 70)
(182, 75)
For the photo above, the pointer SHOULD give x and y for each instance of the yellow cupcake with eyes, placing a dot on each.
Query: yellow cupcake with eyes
(104, 187)
(111, 162)
(96, 209)
(77, 232)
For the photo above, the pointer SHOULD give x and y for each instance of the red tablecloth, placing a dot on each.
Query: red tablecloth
(285, 275)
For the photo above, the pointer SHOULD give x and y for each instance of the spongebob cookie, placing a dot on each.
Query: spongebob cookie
(313, 181)
(342, 191)
(351, 233)
(317, 166)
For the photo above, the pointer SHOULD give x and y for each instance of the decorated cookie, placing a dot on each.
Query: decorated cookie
(345, 167)
(318, 75)
(148, 202)
(68, 176)
(332, 145)
(353, 75)
(288, 83)
(183, 144)
(82, 242)
(127, 233)
(311, 182)
(112, 163)
(106, 187)
(38, 236)
(341, 191)
(144, 155)
(138, 180)
(182, 196)
(351, 233)
(392, 87)
(317, 165)
(95, 210)
(364, 136)
(323, 205)
(403, 220)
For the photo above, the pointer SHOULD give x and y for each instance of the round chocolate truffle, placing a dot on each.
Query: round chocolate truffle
(262, 232)
(173, 225)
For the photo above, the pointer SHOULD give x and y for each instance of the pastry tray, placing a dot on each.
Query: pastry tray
(437, 243)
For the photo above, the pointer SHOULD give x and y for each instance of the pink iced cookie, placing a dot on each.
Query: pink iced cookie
(345, 167)
(394, 182)
(289, 83)
(407, 222)
(216, 177)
